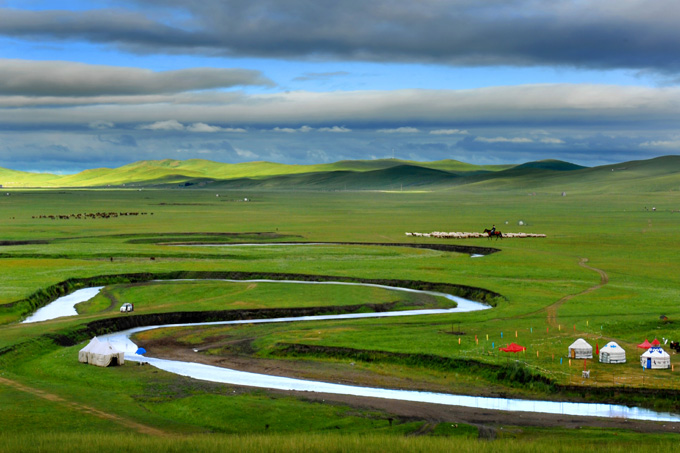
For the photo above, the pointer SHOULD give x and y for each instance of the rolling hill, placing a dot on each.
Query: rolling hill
(652, 175)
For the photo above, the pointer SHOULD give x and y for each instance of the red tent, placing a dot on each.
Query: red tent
(645, 345)
(655, 342)
(513, 347)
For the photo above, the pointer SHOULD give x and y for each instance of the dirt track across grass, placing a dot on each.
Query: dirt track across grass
(551, 310)
(140, 428)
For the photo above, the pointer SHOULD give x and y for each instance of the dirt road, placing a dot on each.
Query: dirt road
(140, 428)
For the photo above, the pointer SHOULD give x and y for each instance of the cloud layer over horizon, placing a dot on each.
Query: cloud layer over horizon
(111, 82)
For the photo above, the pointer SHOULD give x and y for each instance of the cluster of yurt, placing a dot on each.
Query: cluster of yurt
(101, 353)
(653, 358)
(610, 353)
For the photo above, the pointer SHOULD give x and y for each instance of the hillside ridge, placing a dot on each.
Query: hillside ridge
(655, 174)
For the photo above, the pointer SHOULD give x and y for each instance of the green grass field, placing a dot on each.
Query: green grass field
(550, 298)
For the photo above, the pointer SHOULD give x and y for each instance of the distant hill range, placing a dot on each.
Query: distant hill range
(658, 174)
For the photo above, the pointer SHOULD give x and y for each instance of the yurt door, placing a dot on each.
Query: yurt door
(573, 353)
(649, 363)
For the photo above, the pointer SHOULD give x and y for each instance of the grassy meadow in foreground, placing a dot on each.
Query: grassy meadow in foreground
(545, 286)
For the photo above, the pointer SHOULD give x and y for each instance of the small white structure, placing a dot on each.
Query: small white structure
(101, 354)
(127, 307)
(655, 358)
(83, 353)
(612, 353)
(580, 349)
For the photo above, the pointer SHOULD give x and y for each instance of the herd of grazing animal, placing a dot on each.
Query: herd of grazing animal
(90, 215)
(466, 235)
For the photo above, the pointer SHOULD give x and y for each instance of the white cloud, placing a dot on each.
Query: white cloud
(552, 141)
(503, 140)
(168, 125)
(526, 106)
(245, 154)
(449, 132)
(202, 127)
(317, 155)
(290, 130)
(399, 130)
(174, 125)
(335, 129)
(661, 144)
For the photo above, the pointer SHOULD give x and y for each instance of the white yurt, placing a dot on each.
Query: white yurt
(83, 354)
(580, 349)
(655, 358)
(101, 354)
(612, 353)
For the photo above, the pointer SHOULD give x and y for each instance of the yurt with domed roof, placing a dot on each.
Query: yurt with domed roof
(612, 353)
(580, 349)
(655, 359)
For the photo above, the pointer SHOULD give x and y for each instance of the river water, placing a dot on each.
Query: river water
(64, 306)
(121, 340)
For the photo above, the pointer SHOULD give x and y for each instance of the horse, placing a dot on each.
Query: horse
(497, 234)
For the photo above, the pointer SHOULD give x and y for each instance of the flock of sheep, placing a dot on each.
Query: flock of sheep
(89, 215)
(466, 235)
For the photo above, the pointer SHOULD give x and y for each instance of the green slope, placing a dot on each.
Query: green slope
(393, 178)
(652, 175)
(169, 171)
(448, 165)
(550, 164)
(13, 178)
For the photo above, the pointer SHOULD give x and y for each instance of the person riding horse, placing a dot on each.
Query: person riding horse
(492, 232)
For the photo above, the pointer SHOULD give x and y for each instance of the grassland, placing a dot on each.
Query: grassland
(551, 296)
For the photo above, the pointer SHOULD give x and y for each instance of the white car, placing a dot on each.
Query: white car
(126, 307)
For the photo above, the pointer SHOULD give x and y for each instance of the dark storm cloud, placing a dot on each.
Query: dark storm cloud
(604, 34)
(61, 78)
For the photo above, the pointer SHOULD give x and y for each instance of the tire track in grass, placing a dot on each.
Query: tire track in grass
(551, 310)
(140, 428)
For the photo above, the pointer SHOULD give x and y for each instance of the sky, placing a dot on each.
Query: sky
(101, 83)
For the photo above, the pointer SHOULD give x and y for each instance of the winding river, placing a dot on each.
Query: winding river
(121, 340)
